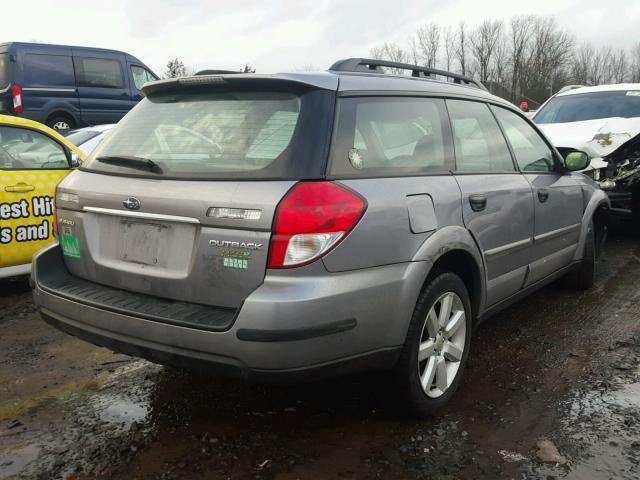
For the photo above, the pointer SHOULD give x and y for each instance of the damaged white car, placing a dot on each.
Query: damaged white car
(603, 121)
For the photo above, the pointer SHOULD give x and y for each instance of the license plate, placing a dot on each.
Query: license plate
(140, 242)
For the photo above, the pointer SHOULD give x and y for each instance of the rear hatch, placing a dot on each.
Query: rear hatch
(178, 202)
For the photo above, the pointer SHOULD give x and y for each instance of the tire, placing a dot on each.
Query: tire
(584, 275)
(424, 337)
(61, 122)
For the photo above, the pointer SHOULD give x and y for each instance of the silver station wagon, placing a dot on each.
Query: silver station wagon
(294, 226)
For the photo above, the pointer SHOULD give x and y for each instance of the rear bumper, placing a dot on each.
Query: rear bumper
(297, 325)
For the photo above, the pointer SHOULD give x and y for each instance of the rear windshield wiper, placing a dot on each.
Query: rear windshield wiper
(132, 162)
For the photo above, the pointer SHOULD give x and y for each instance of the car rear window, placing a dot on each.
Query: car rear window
(233, 134)
(590, 106)
(391, 136)
(48, 70)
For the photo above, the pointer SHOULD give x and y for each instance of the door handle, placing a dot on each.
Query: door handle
(543, 195)
(478, 202)
(19, 188)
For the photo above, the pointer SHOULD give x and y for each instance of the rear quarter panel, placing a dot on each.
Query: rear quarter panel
(384, 234)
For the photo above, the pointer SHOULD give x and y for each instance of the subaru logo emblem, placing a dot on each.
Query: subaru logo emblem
(132, 203)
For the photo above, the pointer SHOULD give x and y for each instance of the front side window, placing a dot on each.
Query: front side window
(141, 76)
(23, 149)
(98, 72)
(531, 151)
(389, 135)
(479, 143)
(48, 71)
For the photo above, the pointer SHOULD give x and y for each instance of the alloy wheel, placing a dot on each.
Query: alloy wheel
(442, 344)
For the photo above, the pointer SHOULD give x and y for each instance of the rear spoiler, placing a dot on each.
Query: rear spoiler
(242, 80)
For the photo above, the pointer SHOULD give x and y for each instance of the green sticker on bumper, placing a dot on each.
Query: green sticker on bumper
(239, 263)
(70, 246)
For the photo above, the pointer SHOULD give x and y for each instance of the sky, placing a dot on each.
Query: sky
(277, 36)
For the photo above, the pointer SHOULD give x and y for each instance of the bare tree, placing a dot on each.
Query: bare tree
(392, 52)
(635, 63)
(483, 44)
(549, 55)
(426, 44)
(449, 47)
(581, 64)
(519, 35)
(599, 65)
(618, 67)
(462, 47)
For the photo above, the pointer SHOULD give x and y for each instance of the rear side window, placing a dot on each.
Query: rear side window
(141, 76)
(48, 70)
(4, 70)
(390, 136)
(531, 151)
(78, 137)
(479, 143)
(234, 134)
(99, 72)
(23, 149)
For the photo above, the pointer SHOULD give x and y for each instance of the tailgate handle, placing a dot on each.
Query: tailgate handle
(19, 188)
(478, 202)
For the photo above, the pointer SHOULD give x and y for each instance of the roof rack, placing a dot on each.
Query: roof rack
(374, 66)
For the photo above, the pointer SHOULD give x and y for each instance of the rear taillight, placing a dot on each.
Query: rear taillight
(16, 93)
(311, 219)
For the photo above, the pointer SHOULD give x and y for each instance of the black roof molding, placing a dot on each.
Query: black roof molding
(370, 65)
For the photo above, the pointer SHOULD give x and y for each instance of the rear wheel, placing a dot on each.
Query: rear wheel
(60, 122)
(437, 344)
(584, 275)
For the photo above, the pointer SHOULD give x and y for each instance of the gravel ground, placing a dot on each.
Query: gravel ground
(552, 391)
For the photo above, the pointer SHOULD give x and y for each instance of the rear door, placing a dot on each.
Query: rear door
(31, 165)
(497, 200)
(558, 200)
(103, 89)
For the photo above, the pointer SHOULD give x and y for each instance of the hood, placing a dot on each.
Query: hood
(599, 138)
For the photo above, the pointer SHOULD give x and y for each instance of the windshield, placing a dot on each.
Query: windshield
(78, 137)
(213, 135)
(590, 106)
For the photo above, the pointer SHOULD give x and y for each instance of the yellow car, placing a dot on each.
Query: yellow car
(33, 159)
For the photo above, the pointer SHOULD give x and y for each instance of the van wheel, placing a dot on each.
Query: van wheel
(584, 275)
(60, 122)
(437, 345)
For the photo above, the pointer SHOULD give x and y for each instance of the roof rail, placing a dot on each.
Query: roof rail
(216, 72)
(373, 66)
(566, 88)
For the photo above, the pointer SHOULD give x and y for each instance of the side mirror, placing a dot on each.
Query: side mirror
(75, 160)
(576, 161)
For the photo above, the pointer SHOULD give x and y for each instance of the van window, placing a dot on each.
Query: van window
(99, 72)
(23, 149)
(531, 151)
(479, 143)
(48, 70)
(4, 70)
(141, 76)
(390, 136)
